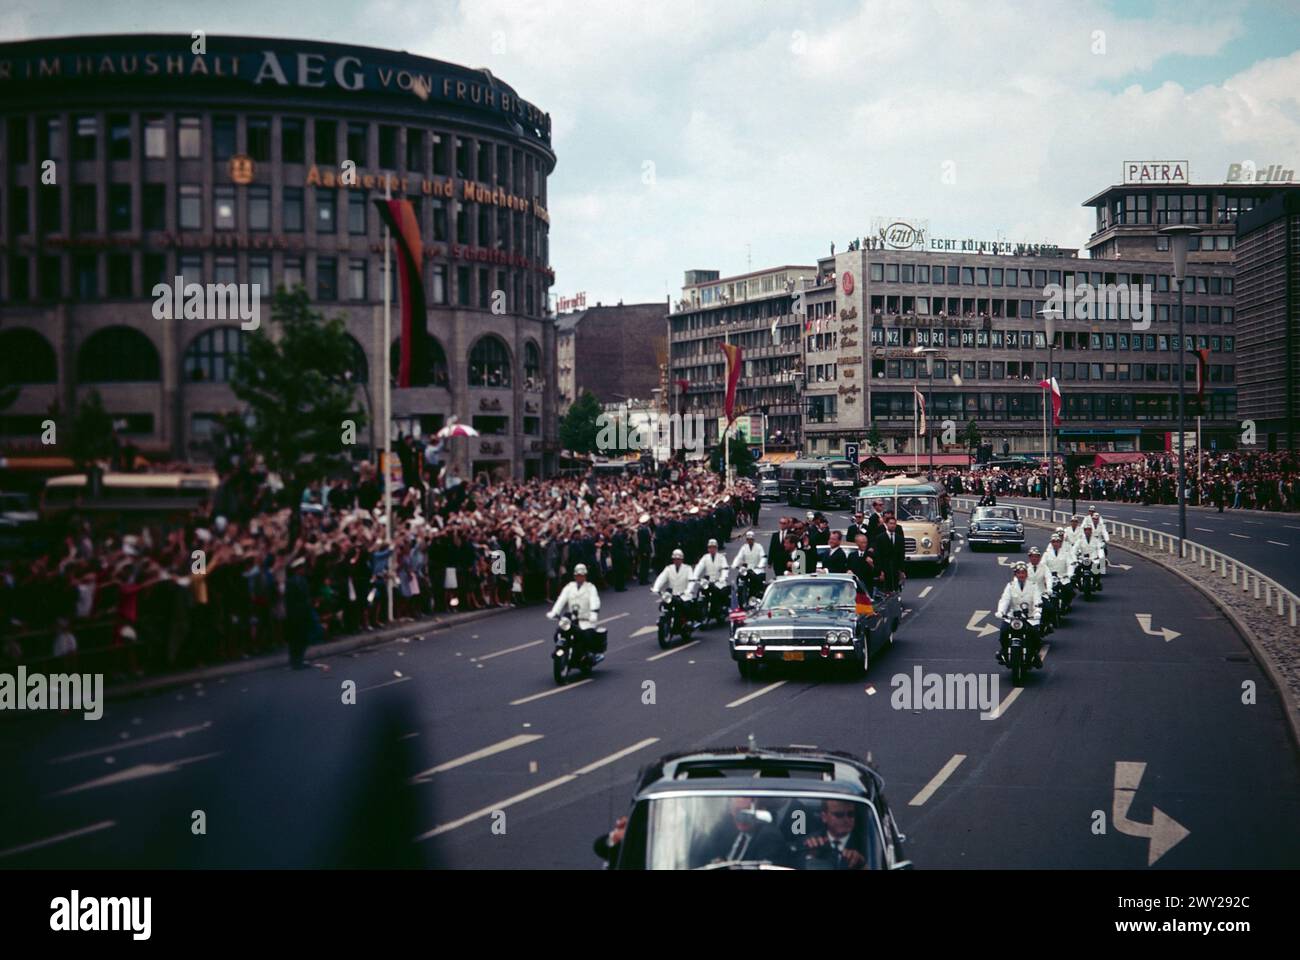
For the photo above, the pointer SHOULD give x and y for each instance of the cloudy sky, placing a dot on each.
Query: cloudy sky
(737, 134)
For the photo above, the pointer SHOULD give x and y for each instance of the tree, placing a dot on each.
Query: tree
(579, 428)
(972, 436)
(874, 439)
(742, 460)
(297, 388)
(90, 434)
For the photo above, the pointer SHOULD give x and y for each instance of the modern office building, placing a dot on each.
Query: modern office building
(617, 352)
(126, 161)
(756, 311)
(1268, 320)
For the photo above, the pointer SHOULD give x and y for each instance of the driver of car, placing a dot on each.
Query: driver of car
(834, 842)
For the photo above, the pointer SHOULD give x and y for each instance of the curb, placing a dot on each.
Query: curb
(1290, 702)
(273, 660)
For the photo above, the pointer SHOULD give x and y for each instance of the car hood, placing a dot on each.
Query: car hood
(833, 618)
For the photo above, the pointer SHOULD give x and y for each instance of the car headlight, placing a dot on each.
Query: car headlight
(744, 636)
(840, 636)
(565, 623)
(1020, 528)
(927, 542)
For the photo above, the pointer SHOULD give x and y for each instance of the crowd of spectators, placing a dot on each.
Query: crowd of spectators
(250, 571)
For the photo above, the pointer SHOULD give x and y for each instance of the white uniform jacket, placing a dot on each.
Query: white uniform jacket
(1014, 595)
(713, 567)
(680, 580)
(585, 598)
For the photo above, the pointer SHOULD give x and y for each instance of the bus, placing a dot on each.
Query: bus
(819, 483)
(146, 495)
(915, 502)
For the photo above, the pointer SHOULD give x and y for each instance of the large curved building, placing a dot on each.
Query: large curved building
(244, 160)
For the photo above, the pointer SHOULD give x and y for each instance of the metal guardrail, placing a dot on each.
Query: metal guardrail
(1267, 590)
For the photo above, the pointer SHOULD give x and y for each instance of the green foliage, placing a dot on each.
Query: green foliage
(972, 435)
(742, 460)
(89, 435)
(578, 429)
(299, 390)
(874, 440)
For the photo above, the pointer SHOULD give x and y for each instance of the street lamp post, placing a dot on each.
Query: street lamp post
(1050, 316)
(1179, 234)
(928, 353)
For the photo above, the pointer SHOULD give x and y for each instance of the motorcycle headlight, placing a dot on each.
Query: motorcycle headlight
(565, 623)
(666, 596)
(1016, 624)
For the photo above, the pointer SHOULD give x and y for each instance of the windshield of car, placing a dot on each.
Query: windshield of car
(913, 507)
(809, 595)
(997, 513)
(735, 831)
(842, 473)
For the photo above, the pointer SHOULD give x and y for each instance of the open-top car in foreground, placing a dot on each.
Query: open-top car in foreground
(764, 808)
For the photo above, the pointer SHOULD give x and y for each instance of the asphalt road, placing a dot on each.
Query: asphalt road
(1266, 541)
(461, 739)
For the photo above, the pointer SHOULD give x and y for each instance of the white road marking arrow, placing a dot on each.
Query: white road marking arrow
(1164, 832)
(1118, 566)
(1004, 560)
(642, 632)
(1144, 621)
(984, 629)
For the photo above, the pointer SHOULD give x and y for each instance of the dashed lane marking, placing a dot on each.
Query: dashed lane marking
(937, 780)
(127, 745)
(925, 592)
(50, 841)
(543, 788)
(502, 653)
(757, 693)
(669, 653)
(550, 693)
(508, 744)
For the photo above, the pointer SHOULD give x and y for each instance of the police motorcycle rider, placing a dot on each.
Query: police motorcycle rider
(1059, 560)
(754, 561)
(1100, 531)
(712, 569)
(1020, 590)
(1040, 575)
(678, 578)
(1074, 533)
(582, 594)
(1090, 547)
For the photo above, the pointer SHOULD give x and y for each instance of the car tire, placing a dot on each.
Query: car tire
(747, 669)
(858, 666)
(558, 670)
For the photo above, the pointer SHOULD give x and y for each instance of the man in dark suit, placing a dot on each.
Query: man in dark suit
(820, 532)
(862, 564)
(837, 559)
(781, 555)
(859, 525)
(891, 552)
(837, 845)
(876, 522)
(748, 834)
(774, 544)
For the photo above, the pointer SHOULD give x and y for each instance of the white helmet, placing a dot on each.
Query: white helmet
(712, 542)
(580, 570)
(678, 555)
(749, 534)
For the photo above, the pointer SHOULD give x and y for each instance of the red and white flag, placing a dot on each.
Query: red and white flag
(1056, 399)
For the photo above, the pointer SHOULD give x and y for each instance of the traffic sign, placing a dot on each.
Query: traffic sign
(851, 451)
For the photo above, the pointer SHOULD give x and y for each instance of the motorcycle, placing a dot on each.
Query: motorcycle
(1053, 606)
(570, 652)
(1089, 579)
(1017, 656)
(715, 602)
(749, 583)
(674, 618)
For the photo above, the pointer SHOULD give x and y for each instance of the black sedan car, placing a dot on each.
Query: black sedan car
(738, 808)
(995, 527)
(831, 617)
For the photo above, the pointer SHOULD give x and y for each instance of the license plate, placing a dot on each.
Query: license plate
(792, 655)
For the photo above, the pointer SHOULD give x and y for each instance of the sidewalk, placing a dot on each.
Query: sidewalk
(280, 658)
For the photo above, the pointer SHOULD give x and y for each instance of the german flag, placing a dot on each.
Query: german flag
(399, 216)
(732, 353)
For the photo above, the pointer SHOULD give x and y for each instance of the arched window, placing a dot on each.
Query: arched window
(211, 356)
(118, 355)
(489, 363)
(532, 366)
(436, 373)
(26, 357)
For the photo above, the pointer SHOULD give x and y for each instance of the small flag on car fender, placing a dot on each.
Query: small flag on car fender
(864, 605)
